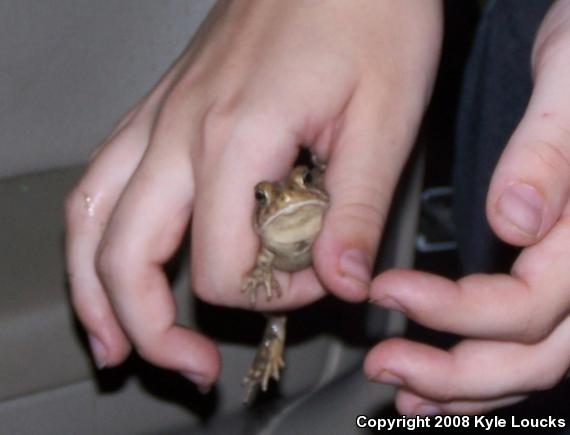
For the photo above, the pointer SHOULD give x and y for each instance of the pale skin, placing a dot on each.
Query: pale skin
(260, 78)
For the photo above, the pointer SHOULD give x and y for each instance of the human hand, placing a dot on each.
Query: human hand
(259, 78)
(518, 323)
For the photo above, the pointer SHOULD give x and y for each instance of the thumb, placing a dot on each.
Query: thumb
(364, 166)
(531, 183)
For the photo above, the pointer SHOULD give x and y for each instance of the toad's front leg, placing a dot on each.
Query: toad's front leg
(262, 277)
(268, 360)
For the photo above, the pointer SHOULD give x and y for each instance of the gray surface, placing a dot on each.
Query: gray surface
(81, 409)
(71, 68)
(36, 335)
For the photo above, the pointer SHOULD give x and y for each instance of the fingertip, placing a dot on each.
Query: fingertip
(531, 183)
(206, 369)
(518, 213)
(379, 358)
(390, 280)
(188, 352)
(345, 270)
(354, 264)
(109, 352)
(108, 344)
(203, 383)
(409, 404)
(412, 292)
(412, 365)
(98, 351)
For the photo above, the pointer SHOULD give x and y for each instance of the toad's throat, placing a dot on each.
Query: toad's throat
(294, 223)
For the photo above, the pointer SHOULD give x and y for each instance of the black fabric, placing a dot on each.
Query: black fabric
(496, 89)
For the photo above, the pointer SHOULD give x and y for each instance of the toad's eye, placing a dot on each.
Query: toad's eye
(261, 196)
(264, 193)
(307, 177)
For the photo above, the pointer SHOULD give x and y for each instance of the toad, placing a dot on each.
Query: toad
(287, 219)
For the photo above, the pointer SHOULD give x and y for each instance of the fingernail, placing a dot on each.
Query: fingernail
(523, 206)
(387, 377)
(355, 264)
(98, 351)
(391, 304)
(202, 383)
(427, 410)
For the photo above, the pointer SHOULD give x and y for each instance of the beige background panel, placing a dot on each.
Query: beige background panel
(70, 68)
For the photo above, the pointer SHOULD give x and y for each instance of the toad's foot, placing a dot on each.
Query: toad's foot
(261, 277)
(269, 358)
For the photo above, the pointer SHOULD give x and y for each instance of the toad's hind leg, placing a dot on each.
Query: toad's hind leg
(262, 277)
(269, 358)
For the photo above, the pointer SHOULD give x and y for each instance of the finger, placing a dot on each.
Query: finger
(88, 209)
(524, 306)
(531, 183)
(146, 228)
(365, 163)
(224, 244)
(410, 404)
(473, 369)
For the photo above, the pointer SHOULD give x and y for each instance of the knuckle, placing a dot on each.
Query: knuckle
(365, 204)
(222, 111)
(85, 210)
(111, 262)
(553, 156)
(528, 328)
(216, 125)
(231, 122)
(535, 330)
(176, 98)
(227, 124)
(181, 104)
(550, 45)
(191, 80)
